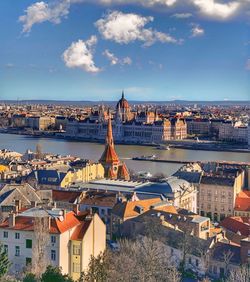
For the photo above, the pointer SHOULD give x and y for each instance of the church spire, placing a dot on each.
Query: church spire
(109, 137)
(122, 94)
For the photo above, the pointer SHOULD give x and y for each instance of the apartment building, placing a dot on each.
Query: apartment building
(233, 132)
(218, 192)
(77, 173)
(72, 239)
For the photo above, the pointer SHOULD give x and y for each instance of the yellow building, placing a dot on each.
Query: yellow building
(87, 173)
(51, 178)
(88, 240)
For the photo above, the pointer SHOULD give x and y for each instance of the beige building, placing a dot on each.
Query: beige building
(40, 123)
(51, 178)
(218, 192)
(72, 239)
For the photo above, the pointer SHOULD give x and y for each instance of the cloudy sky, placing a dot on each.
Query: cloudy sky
(153, 49)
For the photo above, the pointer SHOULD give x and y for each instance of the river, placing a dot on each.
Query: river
(93, 151)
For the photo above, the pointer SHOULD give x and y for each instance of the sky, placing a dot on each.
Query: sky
(154, 50)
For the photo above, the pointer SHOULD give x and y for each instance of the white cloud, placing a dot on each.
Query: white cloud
(146, 3)
(54, 10)
(125, 28)
(80, 55)
(197, 30)
(182, 15)
(127, 61)
(9, 65)
(114, 60)
(40, 12)
(248, 65)
(111, 57)
(214, 9)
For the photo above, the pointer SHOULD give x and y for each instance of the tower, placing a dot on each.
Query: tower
(124, 108)
(114, 168)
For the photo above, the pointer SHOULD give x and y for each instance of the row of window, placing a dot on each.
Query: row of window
(28, 245)
(17, 248)
(17, 236)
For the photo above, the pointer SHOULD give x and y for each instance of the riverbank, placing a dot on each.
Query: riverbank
(188, 144)
(182, 162)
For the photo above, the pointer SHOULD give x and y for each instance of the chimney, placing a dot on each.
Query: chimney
(245, 250)
(33, 204)
(18, 204)
(12, 219)
(49, 222)
(76, 208)
(64, 214)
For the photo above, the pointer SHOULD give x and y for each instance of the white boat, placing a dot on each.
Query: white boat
(163, 147)
(144, 174)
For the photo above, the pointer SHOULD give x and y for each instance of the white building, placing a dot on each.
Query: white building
(71, 239)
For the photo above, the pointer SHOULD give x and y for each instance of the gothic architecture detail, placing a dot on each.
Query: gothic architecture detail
(141, 127)
(114, 168)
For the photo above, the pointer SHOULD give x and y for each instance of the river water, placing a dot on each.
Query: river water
(93, 151)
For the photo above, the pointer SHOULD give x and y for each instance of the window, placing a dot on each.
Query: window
(197, 262)
(190, 261)
(53, 239)
(28, 261)
(53, 255)
(5, 234)
(17, 251)
(17, 235)
(28, 243)
(76, 250)
(76, 267)
(5, 247)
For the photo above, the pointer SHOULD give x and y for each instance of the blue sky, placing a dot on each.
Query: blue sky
(154, 49)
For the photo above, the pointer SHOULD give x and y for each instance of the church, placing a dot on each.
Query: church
(138, 127)
(113, 167)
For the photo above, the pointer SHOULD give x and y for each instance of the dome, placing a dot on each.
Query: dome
(123, 103)
(170, 186)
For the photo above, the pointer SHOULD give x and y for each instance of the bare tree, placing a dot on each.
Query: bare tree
(241, 274)
(143, 259)
(146, 259)
(227, 256)
(40, 246)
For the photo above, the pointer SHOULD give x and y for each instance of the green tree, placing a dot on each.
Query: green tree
(30, 277)
(4, 262)
(97, 269)
(54, 274)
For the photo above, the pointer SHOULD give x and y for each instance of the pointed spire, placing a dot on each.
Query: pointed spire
(122, 94)
(109, 137)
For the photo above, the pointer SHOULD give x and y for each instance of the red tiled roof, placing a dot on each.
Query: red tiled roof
(237, 224)
(128, 209)
(65, 196)
(109, 155)
(26, 223)
(62, 226)
(80, 230)
(242, 202)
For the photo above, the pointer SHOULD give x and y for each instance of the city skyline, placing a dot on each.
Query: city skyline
(154, 50)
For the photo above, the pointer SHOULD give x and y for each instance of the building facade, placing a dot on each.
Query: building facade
(71, 242)
(218, 192)
(128, 126)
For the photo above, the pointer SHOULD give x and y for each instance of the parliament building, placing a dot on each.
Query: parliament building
(141, 127)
